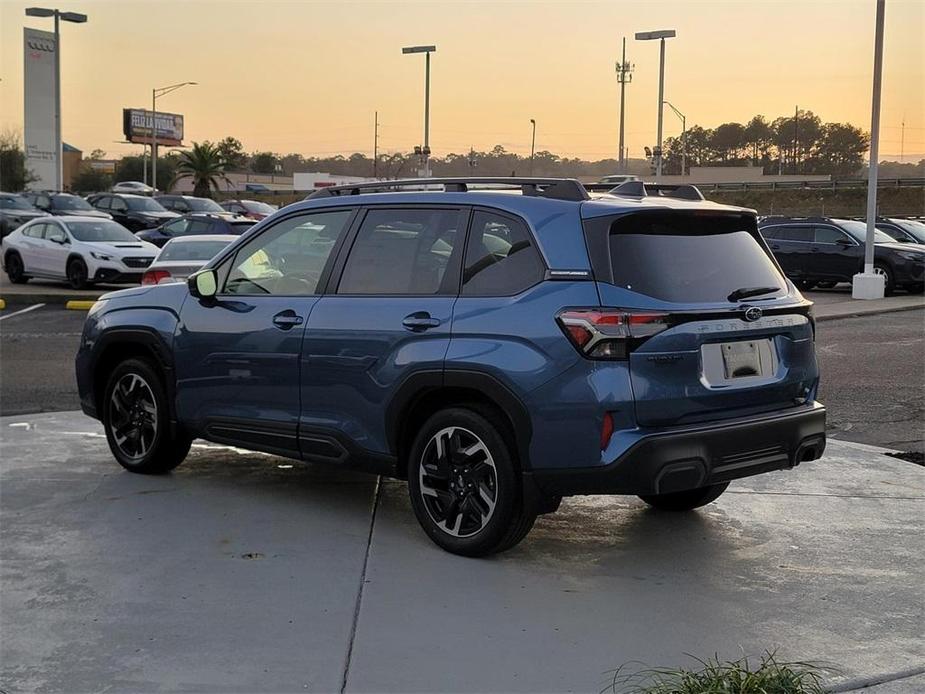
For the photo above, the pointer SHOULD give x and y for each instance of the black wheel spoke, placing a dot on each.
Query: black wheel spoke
(457, 480)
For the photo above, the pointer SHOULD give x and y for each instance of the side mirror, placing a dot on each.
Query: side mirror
(843, 242)
(203, 284)
(61, 240)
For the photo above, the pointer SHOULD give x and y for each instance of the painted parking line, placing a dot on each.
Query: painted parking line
(79, 305)
(21, 311)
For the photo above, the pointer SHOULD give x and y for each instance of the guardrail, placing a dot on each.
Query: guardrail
(844, 184)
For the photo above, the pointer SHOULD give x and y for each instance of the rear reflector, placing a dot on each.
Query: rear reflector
(606, 430)
(605, 333)
(154, 276)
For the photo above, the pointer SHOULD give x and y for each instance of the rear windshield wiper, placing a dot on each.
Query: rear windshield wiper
(745, 292)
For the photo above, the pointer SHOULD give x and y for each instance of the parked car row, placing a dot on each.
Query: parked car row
(109, 237)
(823, 251)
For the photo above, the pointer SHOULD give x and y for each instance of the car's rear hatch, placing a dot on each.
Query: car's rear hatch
(726, 334)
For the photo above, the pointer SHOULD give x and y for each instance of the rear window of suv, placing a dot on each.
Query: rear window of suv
(688, 258)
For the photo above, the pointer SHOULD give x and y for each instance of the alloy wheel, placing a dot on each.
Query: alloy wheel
(133, 416)
(458, 481)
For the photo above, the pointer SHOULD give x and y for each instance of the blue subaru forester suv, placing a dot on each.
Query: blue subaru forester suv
(499, 343)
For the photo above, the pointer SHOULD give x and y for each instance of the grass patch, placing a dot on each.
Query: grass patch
(767, 676)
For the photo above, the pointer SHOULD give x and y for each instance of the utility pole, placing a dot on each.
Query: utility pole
(902, 140)
(376, 146)
(796, 120)
(660, 36)
(532, 144)
(624, 77)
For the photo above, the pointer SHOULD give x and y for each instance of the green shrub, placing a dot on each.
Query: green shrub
(714, 677)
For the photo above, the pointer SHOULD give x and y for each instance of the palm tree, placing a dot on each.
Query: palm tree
(205, 165)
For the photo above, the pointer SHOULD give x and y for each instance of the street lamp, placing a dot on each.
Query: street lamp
(155, 93)
(661, 36)
(532, 145)
(683, 134)
(76, 18)
(426, 50)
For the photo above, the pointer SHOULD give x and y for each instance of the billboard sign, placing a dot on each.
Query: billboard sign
(136, 126)
(39, 87)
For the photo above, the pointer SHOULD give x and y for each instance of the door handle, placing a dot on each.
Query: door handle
(286, 319)
(420, 321)
(775, 247)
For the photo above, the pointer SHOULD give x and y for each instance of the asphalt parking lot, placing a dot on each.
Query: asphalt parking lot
(872, 371)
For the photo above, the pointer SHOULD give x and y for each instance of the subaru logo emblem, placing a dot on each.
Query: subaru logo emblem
(752, 313)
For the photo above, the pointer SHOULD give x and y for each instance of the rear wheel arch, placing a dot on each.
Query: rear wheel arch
(424, 393)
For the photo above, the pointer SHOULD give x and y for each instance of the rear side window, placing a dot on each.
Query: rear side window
(829, 235)
(687, 258)
(401, 251)
(500, 257)
(35, 231)
(796, 233)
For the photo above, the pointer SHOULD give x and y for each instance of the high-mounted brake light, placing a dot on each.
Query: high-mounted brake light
(154, 276)
(605, 333)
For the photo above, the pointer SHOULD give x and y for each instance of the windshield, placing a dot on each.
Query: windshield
(14, 202)
(689, 259)
(103, 230)
(70, 202)
(203, 205)
(259, 207)
(144, 205)
(917, 229)
(191, 250)
(859, 231)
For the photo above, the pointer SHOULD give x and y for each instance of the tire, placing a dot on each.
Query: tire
(888, 283)
(915, 288)
(469, 504)
(826, 285)
(687, 500)
(15, 270)
(805, 285)
(136, 418)
(77, 273)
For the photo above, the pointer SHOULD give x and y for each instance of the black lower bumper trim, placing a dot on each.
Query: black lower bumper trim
(110, 275)
(694, 457)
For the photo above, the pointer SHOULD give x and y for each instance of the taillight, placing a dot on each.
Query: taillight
(610, 333)
(154, 276)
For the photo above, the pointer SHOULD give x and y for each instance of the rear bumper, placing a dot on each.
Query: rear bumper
(689, 457)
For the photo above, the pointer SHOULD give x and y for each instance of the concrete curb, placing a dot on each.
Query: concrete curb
(48, 299)
(873, 312)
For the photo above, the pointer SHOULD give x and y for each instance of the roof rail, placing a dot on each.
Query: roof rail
(555, 188)
(639, 189)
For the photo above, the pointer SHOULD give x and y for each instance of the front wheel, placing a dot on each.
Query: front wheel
(887, 274)
(687, 500)
(464, 486)
(135, 416)
(77, 273)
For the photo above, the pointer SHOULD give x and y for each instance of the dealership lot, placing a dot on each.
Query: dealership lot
(114, 580)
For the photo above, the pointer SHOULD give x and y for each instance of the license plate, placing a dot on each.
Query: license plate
(744, 359)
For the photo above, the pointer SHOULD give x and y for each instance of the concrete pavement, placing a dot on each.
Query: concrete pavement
(246, 572)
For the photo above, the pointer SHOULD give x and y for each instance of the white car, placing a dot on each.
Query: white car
(80, 250)
(182, 256)
(136, 187)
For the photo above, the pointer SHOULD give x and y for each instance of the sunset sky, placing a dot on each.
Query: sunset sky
(307, 76)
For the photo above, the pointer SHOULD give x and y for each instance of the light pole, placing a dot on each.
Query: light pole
(683, 134)
(76, 18)
(661, 36)
(870, 284)
(426, 50)
(624, 77)
(155, 93)
(532, 145)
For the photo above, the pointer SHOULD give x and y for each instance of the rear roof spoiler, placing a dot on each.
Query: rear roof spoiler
(638, 189)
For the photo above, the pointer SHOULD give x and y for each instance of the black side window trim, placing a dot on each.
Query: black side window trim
(451, 278)
(530, 235)
(224, 262)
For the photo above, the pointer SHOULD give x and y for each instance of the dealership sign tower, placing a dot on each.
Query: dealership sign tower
(40, 132)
